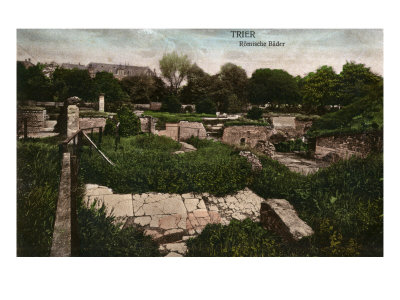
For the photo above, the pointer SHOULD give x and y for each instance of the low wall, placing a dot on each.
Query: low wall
(92, 122)
(35, 120)
(65, 234)
(246, 135)
(337, 147)
(147, 124)
(184, 130)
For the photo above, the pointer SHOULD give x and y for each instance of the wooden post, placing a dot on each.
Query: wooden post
(116, 136)
(25, 128)
(100, 136)
(80, 135)
(74, 146)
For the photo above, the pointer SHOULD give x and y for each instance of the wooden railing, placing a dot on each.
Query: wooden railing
(65, 234)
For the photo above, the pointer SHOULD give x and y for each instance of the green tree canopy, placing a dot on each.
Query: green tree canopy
(273, 86)
(106, 83)
(198, 87)
(320, 88)
(32, 84)
(144, 89)
(174, 68)
(69, 83)
(357, 81)
(171, 104)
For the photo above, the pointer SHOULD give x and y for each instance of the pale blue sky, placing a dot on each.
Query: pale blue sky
(305, 49)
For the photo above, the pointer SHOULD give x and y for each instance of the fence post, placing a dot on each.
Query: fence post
(116, 136)
(80, 136)
(25, 128)
(100, 136)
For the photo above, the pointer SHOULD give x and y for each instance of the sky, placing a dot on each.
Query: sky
(305, 50)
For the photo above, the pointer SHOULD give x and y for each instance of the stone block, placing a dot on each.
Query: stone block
(120, 203)
(278, 215)
(142, 221)
(191, 204)
(169, 222)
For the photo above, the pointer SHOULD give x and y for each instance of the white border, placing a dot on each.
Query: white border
(246, 278)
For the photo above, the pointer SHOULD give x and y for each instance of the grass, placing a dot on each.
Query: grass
(146, 163)
(166, 117)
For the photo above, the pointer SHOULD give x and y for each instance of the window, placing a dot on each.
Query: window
(242, 141)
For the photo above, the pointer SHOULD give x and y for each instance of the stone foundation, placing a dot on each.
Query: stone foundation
(35, 120)
(172, 218)
(333, 148)
(92, 122)
(184, 130)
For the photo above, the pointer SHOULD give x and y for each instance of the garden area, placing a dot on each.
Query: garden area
(342, 203)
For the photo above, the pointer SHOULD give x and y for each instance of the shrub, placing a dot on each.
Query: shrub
(100, 235)
(206, 106)
(255, 113)
(239, 238)
(216, 169)
(38, 169)
(342, 203)
(129, 122)
(171, 104)
(290, 146)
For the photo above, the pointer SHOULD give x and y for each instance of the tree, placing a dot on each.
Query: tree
(75, 82)
(320, 88)
(144, 88)
(174, 69)
(273, 86)
(356, 82)
(32, 84)
(171, 104)
(198, 86)
(255, 113)
(107, 84)
(206, 106)
(235, 79)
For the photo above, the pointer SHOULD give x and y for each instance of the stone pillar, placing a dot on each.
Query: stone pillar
(101, 102)
(72, 120)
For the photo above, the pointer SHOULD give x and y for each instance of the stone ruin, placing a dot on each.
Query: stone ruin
(171, 219)
(183, 130)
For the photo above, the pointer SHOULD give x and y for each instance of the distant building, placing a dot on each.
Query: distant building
(119, 71)
(27, 63)
(49, 69)
(73, 66)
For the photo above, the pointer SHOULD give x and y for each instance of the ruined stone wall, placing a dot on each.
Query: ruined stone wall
(155, 105)
(246, 135)
(92, 122)
(184, 130)
(171, 131)
(147, 124)
(189, 129)
(170, 219)
(35, 120)
(337, 147)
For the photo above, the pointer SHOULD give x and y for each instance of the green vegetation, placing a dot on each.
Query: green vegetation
(38, 169)
(129, 123)
(146, 163)
(290, 146)
(361, 116)
(93, 114)
(239, 238)
(243, 122)
(38, 174)
(100, 235)
(255, 113)
(166, 117)
(342, 203)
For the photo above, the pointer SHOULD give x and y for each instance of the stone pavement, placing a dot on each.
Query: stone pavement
(170, 219)
(299, 164)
